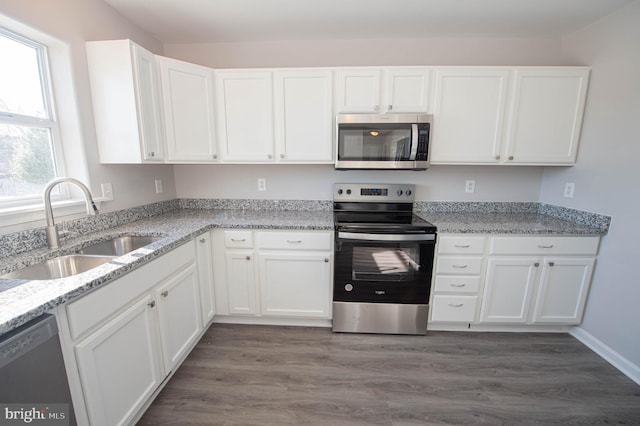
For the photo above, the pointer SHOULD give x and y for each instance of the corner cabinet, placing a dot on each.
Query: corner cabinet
(124, 339)
(273, 277)
(188, 105)
(508, 115)
(126, 102)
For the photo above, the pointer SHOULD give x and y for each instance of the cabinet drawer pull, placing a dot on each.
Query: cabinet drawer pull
(552, 263)
(203, 240)
(462, 245)
(294, 241)
(536, 264)
(458, 285)
(459, 266)
(456, 305)
(152, 304)
(511, 157)
(326, 260)
(215, 156)
(152, 154)
(543, 246)
(238, 240)
(497, 157)
(247, 258)
(164, 293)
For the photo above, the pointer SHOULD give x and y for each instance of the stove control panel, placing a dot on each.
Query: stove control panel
(374, 192)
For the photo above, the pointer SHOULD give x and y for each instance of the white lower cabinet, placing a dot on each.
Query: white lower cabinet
(273, 274)
(126, 337)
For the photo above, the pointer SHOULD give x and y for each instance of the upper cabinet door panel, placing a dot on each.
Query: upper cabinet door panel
(469, 111)
(304, 115)
(407, 90)
(546, 116)
(189, 111)
(358, 90)
(150, 117)
(245, 115)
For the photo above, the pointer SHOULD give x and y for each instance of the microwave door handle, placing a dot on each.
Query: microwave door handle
(414, 142)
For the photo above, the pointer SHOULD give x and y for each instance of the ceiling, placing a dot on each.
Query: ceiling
(203, 21)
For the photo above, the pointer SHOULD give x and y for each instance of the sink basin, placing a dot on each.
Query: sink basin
(119, 246)
(59, 267)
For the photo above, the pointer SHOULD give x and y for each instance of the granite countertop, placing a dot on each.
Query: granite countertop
(22, 300)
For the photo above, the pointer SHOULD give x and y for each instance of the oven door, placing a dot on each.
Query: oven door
(383, 268)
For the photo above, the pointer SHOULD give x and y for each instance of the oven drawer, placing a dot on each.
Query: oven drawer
(238, 239)
(295, 240)
(454, 308)
(457, 284)
(462, 265)
(460, 245)
(544, 245)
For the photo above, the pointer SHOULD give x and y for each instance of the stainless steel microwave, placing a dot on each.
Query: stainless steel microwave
(383, 141)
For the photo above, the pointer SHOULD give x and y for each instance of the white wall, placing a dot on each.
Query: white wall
(72, 22)
(607, 175)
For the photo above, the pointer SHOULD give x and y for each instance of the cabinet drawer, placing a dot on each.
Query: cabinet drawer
(294, 240)
(544, 245)
(461, 245)
(454, 308)
(463, 265)
(457, 284)
(238, 239)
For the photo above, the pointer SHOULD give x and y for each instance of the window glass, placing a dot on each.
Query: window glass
(28, 132)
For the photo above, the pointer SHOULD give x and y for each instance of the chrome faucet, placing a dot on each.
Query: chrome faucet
(52, 232)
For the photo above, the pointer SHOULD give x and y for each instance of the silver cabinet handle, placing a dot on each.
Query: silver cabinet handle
(294, 241)
(552, 263)
(215, 156)
(203, 240)
(238, 240)
(459, 266)
(542, 246)
(269, 156)
(152, 154)
(389, 107)
(497, 157)
(511, 157)
(326, 260)
(462, 245)
(152, 304)
(164, 293)
(536, 264)
(247, 258)
(283, 156)
(459, 305)
(458, 285)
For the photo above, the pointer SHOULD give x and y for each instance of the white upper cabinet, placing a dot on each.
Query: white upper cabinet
(468, 115)
(126, 102)
(303, 102)
(546, 115)
(519, 116)
(188, 104)
(382, 90)
(245, 115)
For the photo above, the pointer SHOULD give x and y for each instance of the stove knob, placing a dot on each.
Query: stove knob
(348, 191)
(340, 191)
(408, 192)
(399, 192)
(348, 287)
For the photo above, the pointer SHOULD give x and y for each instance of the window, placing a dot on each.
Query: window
(30, 153)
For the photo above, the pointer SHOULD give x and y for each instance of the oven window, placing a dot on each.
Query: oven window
(387, 264)
(374, 142)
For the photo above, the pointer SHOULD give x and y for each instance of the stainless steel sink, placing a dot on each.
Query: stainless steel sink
(119, 246)
(59, 267)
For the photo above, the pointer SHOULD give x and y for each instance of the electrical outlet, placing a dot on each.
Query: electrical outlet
(107, 191)
(159, 189)
(262, 184)
(470, 186)
(569, 187)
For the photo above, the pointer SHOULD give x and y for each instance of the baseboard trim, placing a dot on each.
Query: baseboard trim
(625, 366)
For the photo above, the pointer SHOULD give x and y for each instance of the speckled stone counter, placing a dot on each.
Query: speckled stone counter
(22, 300)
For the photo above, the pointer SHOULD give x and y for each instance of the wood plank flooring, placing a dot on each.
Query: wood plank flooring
(263, 375)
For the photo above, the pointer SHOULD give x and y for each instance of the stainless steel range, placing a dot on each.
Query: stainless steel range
(383, 260)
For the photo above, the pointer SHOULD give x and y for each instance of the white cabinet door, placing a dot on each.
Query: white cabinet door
(120, 365)
(564, 285)
(125, 92)
(358, 90)
(546, 115)
(304, 115)
(241, 283)
(205, 277)
(469, 115)
(245, 115)
(508, 289)
(179, 312)
(407, 90)
(188, 100)
(295, 284)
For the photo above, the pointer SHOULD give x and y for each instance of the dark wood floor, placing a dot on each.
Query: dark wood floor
(259, 375)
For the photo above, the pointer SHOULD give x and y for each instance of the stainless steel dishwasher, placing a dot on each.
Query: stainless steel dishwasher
(33, 381)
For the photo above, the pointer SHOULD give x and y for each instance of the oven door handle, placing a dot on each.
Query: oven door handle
(386, 237)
